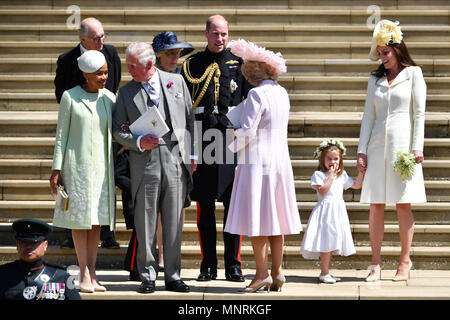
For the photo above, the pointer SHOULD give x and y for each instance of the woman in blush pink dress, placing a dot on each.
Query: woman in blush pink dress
(263, 202)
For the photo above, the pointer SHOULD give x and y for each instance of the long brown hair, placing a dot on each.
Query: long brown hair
(403, 57)
(322, 167)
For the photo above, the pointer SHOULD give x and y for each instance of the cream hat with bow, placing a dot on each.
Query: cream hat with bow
(385, 32)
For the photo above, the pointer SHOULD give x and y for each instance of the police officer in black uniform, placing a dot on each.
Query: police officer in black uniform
(215, 82)
(31, 278)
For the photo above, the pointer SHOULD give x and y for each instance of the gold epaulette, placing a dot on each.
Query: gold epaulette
(212, 70)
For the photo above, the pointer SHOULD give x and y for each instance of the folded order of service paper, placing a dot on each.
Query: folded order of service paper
(151, 122)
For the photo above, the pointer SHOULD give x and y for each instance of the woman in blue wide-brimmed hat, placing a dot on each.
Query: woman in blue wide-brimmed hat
(168, 49)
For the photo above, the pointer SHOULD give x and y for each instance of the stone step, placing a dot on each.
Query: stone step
(344, 49)
(432, 169)
(424, 235)
(350, 102)
(299, 148)
(303, 148)
(293, 83)
(423, 257)
(301, 124)
(347, 124)
(225, 298)
(38, 190)
(139, 32)
(40, 169)
(238, 4)
(427, 213)
(314, 67)
(189, 16)
(318, 102)
(301, 284)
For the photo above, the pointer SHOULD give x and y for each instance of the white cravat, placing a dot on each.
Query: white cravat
(153, 88)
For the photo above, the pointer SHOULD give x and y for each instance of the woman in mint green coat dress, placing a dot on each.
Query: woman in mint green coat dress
(83, 163)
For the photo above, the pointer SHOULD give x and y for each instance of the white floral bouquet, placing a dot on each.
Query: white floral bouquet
(327, 143)
(405, 165)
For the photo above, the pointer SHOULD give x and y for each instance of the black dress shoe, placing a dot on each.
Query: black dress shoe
(110, 244)
(67, 244)
(147, 287)
(177, 286)
(207, 275)
(134, 276)
(235, 275)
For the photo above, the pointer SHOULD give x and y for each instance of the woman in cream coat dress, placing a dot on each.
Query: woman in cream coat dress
(83, 163)
(393, 120)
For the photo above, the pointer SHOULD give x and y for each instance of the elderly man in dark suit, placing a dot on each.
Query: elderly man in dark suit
(92, 37)
(160, 168)
(68, 75)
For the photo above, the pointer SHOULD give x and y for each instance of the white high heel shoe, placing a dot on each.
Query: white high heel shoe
(375, 273)
(403, 278)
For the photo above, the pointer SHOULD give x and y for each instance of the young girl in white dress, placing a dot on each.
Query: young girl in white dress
(328, 230)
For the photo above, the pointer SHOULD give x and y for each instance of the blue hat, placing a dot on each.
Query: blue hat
(168, 40)
(31, 230)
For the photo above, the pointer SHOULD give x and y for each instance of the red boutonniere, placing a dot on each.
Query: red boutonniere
(169, 84)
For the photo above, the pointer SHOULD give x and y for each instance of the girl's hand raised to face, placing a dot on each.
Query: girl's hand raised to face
(333, 169)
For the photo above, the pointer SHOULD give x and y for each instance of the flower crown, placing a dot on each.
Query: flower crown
(249, 51)
(387, 32)
(328, 143)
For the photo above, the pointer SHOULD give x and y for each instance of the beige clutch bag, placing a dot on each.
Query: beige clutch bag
(61, 198)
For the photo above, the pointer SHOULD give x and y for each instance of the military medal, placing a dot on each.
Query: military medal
(29, 293)
(62, 290)
(233, 86)
(44, 278)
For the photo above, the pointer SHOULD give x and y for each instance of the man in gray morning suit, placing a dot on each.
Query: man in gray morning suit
(160, 168)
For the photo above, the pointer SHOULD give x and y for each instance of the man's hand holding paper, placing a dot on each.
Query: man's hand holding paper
(148, 142)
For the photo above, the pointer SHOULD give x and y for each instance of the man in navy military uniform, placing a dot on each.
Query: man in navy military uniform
(216, 83)
(30, 278)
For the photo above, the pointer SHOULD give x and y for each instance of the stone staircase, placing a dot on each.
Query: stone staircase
(326, 43)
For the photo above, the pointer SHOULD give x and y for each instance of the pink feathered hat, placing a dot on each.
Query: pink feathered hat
(251, 52)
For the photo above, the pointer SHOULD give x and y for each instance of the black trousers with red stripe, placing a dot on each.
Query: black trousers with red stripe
(206, 223)
(130, 256)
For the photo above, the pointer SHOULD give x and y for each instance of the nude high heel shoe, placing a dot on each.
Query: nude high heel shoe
(87, 289)
(266, 283)
(278, 282)
(403, 278)
(375, 273)
(99, 287)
